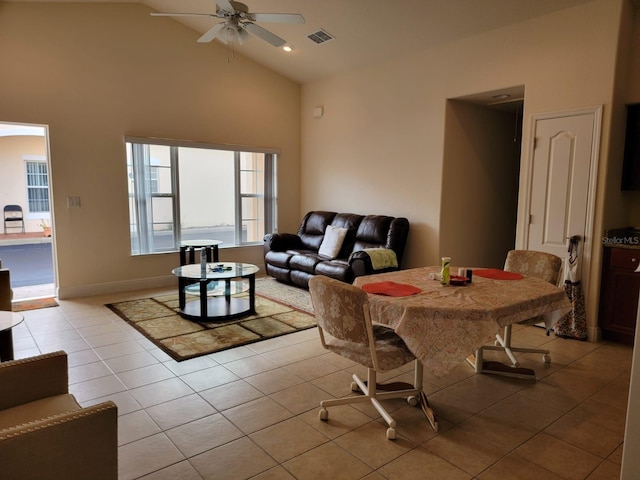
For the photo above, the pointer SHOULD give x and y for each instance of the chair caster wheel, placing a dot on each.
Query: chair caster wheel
(546, 358)
(323, 414)
(354, 387)
(391, 433)
(413, 401)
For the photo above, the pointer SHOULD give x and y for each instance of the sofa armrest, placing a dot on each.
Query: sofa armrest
(23, 381)
(81, 445)
(281, 242)
(374, 260)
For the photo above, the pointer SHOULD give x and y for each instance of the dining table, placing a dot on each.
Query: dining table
(442, 325)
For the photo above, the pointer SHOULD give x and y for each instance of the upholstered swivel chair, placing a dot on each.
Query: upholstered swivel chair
(533, 264)
(44, 433)
(12, 216)
(344, 323)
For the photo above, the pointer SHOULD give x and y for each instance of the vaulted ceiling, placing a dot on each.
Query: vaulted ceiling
(365, 31)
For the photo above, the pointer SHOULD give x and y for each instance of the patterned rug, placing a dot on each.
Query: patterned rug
(280, 309)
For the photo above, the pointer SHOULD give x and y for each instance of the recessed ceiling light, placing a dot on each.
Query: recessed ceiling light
(287, 48)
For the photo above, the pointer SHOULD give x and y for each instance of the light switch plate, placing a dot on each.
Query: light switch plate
(73, 202)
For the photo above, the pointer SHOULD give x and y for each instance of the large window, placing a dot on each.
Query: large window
(180, 191)
(37, 186)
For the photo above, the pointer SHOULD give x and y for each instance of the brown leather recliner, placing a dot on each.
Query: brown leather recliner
(295, 258)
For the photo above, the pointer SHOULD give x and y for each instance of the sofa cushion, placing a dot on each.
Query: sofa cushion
(332, 242)
(372, 232)
(38, 409)
(278, 259)
(305, 263)
(338, 269)
(312, 228)
(350, 221)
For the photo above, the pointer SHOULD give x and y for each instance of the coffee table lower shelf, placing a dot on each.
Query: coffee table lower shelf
(218, 308)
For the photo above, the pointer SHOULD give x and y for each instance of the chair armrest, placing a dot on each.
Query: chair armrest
(81, 445)
(281, 242)
(23, 381)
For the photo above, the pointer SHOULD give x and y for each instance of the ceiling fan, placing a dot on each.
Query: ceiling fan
(238, 23)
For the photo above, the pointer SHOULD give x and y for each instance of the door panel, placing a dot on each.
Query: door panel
(560, 181)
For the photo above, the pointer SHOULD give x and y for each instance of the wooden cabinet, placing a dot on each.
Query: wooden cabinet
(619, 294)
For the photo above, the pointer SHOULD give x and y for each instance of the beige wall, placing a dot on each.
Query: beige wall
(97, 72)
(380, 146)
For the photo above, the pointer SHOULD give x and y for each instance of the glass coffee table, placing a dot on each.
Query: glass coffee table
(8, 320)
(219, 303)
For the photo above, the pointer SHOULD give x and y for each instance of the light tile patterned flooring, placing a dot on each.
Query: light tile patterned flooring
(251, 412)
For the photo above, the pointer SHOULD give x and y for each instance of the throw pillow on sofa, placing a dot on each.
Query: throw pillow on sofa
(332, 242)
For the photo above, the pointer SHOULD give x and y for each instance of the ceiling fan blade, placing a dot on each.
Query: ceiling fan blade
(212, 33)
(278, 17)
(225, 5)
(264, 34)
(159, 14)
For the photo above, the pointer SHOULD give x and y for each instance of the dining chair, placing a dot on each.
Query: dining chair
(13, 214)
(344, 322)
(545, 266)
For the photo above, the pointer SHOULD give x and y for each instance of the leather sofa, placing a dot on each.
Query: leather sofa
(295, 258)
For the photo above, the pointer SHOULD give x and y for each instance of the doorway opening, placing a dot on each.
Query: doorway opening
(26, 247)
(481, 176)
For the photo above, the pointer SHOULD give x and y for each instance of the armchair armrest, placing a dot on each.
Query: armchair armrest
(281, 242)
(33, 378)
(82, 445)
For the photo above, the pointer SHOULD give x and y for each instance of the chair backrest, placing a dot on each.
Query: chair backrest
(341, 310)
(10, 211)
(534, 264)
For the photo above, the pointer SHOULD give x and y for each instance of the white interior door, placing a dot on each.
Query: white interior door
(562, 181)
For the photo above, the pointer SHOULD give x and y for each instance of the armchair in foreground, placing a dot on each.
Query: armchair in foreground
(45, 433)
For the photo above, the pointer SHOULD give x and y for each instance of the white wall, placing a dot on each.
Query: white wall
(96, 73)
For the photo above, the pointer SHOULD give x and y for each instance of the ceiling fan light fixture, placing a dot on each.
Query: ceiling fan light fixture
(238, 22)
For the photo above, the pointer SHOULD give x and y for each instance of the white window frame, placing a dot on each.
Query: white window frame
(40, 160)
(144, 190)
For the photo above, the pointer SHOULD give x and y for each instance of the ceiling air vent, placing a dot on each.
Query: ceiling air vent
(320, 36)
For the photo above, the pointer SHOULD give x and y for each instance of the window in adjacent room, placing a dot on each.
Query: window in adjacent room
(180, 191)
(37, 186)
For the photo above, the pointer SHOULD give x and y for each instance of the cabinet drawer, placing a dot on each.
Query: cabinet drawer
(625, 258)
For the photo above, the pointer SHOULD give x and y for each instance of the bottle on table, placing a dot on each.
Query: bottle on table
(444, 273)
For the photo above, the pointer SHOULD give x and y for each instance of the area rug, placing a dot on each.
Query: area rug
(280, 310)
(33, 304)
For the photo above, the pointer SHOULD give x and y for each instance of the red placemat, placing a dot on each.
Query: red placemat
(496, 274)
(391, 289)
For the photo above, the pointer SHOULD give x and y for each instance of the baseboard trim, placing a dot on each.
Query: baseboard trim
(65, 293)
